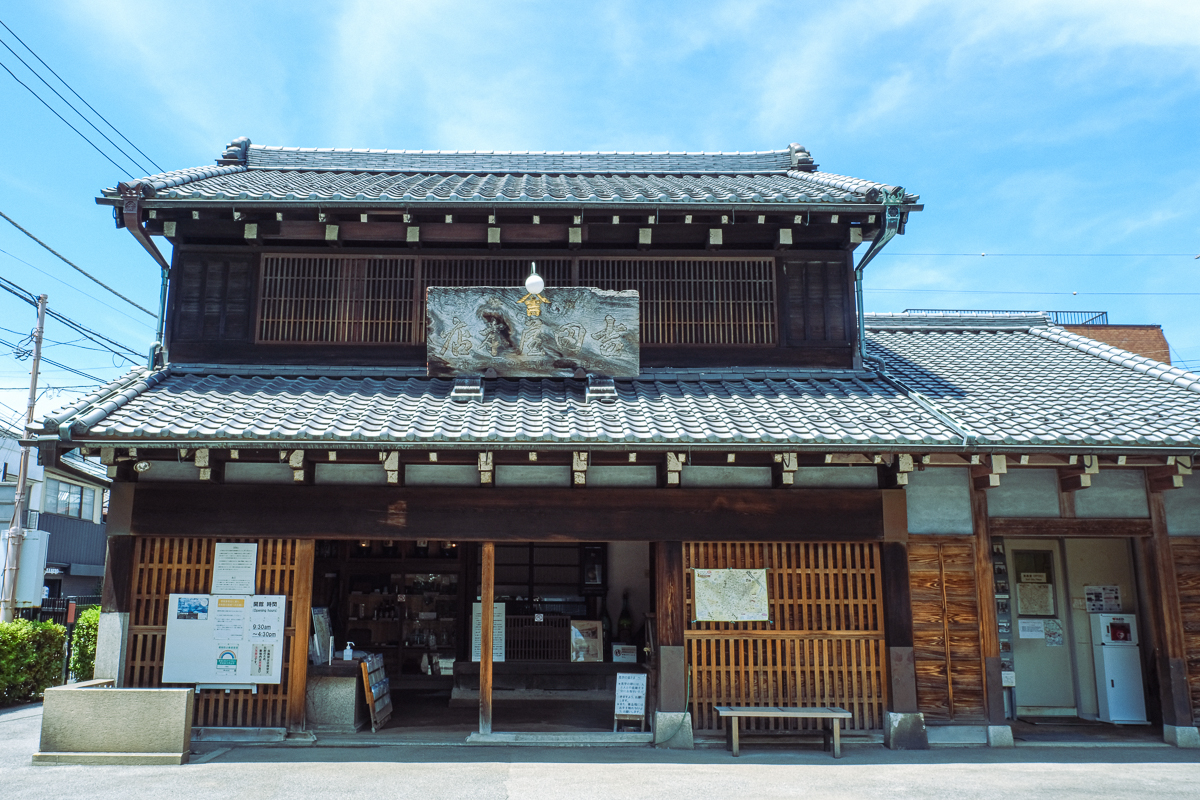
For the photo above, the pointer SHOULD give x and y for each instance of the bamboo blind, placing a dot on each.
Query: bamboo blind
(376, 300)
(1185, 553)
(946, 639)
(163, 565)
(694, 301)
(823, 645)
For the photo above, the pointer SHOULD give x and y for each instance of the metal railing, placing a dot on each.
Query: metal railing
(54, 609)
(1057, 317)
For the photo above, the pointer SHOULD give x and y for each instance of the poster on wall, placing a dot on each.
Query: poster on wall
(214, 639)
(587, 640)
(730, 595)
(235, 565)
(1054, 633)
(1106, 599)
(498, 628)
(1031, 629)
(1035, 599)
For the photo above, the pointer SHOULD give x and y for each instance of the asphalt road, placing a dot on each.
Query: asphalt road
(484, 773)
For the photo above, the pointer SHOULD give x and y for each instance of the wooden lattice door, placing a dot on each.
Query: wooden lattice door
(162, 565)
(823, 645)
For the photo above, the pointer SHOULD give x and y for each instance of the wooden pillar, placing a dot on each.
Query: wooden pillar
(985, 587)
(897, 603)
(302, 585)
(669, 612)
(487, 595)
(1171, 657)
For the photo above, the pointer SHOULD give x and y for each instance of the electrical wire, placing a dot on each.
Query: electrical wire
(73, 108)
(85, 102)
(60, 116)
(100, 339)
(77, 268)
(74, 289)
(21, 351)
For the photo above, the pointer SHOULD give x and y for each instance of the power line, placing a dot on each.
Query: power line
(85, 102)
(28, 297)
(76, 267)
(60, 116)
(74, 289)
(17, 349)
(73, 108)
(52, 343)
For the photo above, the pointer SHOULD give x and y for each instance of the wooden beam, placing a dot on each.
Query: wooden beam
(1072, 479)
(1161, 479)
(1049, 526)
(597, 514)
(486, 610)
(670, 622)
(987, 475)
(301, 618)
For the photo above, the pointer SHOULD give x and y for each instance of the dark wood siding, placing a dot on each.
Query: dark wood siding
(1186, 552)
(818, 304)
(712, 310)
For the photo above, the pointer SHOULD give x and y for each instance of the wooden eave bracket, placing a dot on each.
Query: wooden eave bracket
(788, 462)
(391, 465)
(486, 468)
(986, 475)
(1161, 479)
(675, 462)
(579, 465)
(1079, 476)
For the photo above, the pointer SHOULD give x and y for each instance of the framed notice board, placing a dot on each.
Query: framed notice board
(224, 639)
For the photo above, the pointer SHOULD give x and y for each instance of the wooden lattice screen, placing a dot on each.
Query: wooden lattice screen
(823, 645)
(162, 565)
(354, 299)
(946, 640)
(694, 301)
(1186, 555)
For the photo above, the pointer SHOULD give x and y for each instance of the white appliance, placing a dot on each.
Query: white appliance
(31, 566)
(1118, 669)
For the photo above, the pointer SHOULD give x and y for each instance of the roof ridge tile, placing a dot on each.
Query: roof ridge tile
(1121, 357)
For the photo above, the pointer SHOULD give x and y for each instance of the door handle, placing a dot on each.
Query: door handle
(1113, 683)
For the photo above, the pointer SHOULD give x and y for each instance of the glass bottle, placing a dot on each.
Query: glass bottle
(606, 628)
(625, 621)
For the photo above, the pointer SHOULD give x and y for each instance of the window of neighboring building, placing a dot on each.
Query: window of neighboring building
(69, 499)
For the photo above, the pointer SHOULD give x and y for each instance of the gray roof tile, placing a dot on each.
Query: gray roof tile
(283, 174)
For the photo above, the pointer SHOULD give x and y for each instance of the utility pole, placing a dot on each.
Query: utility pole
(16, 535)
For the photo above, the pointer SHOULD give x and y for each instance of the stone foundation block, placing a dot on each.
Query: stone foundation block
(905, 731)
(673, 730)
(999, 736)
(1185, 736)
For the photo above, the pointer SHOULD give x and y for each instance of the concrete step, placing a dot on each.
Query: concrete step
(598, 739)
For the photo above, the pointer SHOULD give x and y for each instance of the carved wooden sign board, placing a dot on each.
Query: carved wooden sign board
(470, 330)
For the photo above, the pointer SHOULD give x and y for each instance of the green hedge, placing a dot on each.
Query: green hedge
(31, 655)
(83, 644)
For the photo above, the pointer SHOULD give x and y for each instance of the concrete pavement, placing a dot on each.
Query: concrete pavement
(763, 771)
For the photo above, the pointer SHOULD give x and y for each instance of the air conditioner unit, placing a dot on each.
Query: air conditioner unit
(31, 570)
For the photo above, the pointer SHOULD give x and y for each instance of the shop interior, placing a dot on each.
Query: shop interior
(569, 610)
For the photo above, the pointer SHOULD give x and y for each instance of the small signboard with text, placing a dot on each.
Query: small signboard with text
(224, 639)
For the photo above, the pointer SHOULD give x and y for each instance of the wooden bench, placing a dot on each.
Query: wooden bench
(734, 716)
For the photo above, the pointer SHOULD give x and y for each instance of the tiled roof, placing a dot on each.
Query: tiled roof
(177, 405)
(282, 174)
(997, 382)
(1039, 385)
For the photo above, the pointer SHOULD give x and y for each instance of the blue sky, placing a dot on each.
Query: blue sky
(1027, 127)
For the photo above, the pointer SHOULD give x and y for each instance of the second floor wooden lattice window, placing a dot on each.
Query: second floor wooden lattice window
(377, 300)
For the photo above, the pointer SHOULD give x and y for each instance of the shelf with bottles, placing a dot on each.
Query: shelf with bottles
(444, 552)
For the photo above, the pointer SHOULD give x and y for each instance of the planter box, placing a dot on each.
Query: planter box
(94, 723)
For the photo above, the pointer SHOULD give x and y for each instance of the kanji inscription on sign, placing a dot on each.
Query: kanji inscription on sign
(521, 335)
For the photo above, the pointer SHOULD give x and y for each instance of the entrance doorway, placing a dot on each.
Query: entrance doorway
(1055, 589)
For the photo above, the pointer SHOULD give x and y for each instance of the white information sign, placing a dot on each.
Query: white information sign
(1031, 629)
(234, 567)
(730, 595)
(224, 639)
(1103, 598)
(497, 631)
(631, 694)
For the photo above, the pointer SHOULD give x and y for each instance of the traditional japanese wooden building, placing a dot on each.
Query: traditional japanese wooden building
(905, 480)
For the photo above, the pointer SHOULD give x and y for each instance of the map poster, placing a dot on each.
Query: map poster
(730, 595)
(1035, 599)
(235, 565)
